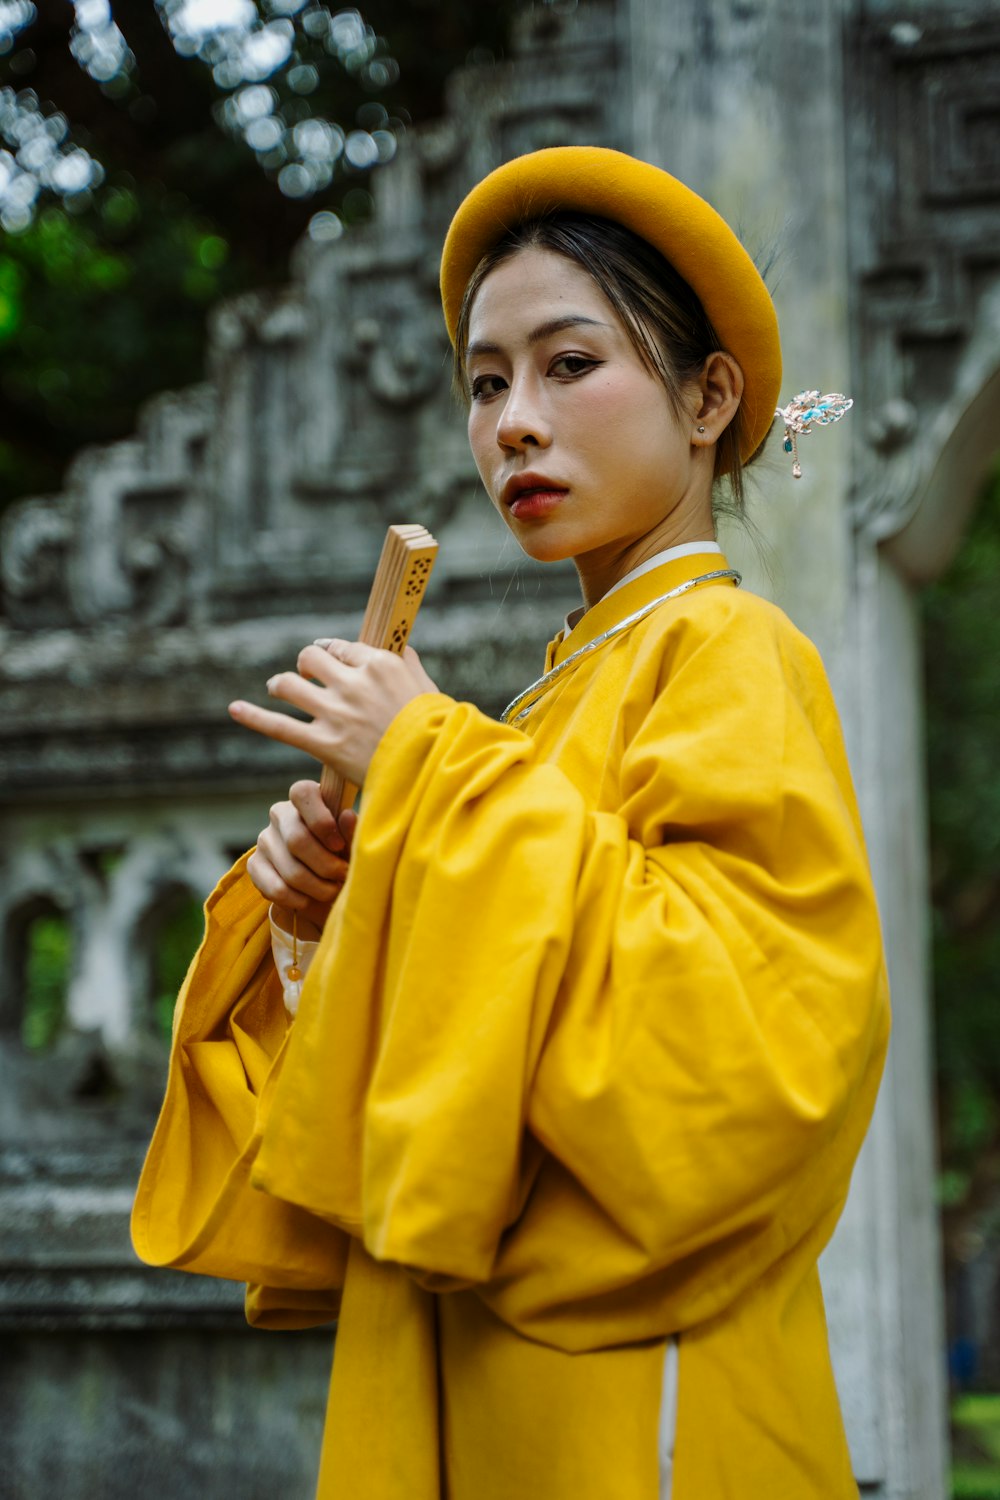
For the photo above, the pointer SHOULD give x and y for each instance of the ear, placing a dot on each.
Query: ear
(720, 388)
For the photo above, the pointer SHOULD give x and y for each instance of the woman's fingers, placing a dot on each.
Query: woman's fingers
(325, 664)
(298, 857)
(274, 725)
(294, 875)
(334, 834)
(327, 705)
(348, 653)
(294, 866)
(307, 799)
(356, 654)
(355, 693)
(323, 737)
(273, 888)
(348, 822)
(286, 897)
(291, 867)
(293, 688)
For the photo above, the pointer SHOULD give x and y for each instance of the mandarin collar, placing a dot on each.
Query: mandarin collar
(636, 594)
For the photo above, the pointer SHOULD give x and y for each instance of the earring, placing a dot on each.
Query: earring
(701, 429)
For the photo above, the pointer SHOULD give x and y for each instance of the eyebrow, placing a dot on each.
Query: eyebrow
(543, 331)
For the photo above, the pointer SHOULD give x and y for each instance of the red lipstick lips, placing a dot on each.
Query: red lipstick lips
(528, 495)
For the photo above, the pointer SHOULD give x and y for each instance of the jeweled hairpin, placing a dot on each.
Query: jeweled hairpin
(805, 410)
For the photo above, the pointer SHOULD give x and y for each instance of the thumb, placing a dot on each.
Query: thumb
(348, 822)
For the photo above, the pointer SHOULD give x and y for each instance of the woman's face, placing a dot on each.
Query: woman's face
(577, 443)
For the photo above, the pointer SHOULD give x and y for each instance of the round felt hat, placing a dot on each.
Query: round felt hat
(686, 230)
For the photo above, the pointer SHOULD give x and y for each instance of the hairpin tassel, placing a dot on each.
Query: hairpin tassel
(803, 412)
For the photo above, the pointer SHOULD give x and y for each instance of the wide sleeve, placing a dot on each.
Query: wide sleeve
(195, 1208)
(607, 1066)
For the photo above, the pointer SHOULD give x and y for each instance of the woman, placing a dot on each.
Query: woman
(594, 1030)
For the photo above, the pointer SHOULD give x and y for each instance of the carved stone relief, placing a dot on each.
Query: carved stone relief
(179, 569)
(117, 545)
(174, 561)
(924, 178)
(34, 540)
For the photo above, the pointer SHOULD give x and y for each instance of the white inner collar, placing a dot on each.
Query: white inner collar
(683, 549)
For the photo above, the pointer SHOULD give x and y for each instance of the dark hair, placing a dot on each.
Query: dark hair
(662, 316)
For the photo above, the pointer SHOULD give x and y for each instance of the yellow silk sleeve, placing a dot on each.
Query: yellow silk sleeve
(195, 1208)
(608, 1066)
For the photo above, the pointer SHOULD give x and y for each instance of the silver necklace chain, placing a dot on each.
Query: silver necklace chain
(525, 702)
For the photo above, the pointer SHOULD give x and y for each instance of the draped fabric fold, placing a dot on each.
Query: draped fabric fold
(585, 1058)
(195, 1208)
(683, 988)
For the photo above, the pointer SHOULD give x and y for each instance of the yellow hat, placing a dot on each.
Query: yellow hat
(686, 230)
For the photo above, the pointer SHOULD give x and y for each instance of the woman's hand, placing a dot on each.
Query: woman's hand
(300, 862)
(357, 692)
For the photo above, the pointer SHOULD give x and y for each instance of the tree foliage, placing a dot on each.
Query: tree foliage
(105, 282)
(47, 962)
(962, 652)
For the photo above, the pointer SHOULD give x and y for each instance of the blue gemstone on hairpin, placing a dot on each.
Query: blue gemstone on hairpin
(806, 408)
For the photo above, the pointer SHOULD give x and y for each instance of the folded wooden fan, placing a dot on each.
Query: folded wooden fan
(400, 580)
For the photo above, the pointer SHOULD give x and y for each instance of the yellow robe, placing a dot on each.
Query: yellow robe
(584, 1061)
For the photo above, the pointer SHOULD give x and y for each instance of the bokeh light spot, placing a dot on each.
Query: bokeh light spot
(360, 150)
(213, 251)
(263, 135)
(304, 78)
(10, 315)
(295, 180)
(254, 102)
(325, 226)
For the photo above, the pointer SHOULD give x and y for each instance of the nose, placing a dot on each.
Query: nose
(523, 421)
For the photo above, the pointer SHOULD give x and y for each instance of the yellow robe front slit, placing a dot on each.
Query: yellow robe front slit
(583, 1062)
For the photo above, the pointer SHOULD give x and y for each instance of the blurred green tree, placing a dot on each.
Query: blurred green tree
(48, 947)
(158, 156)
(962, 654)
(177, 938)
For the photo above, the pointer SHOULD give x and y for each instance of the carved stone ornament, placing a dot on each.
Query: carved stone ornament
(924, 186)
(34, 540)
(399, 358)
(184, 565)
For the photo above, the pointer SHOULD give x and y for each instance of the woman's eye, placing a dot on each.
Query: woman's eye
(572, 364)
(485, 386)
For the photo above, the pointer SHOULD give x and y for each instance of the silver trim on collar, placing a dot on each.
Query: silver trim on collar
(525, 702)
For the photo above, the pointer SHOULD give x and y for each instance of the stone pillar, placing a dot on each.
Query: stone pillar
(783, 116)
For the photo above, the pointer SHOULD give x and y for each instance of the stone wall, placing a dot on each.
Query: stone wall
(179, 570)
